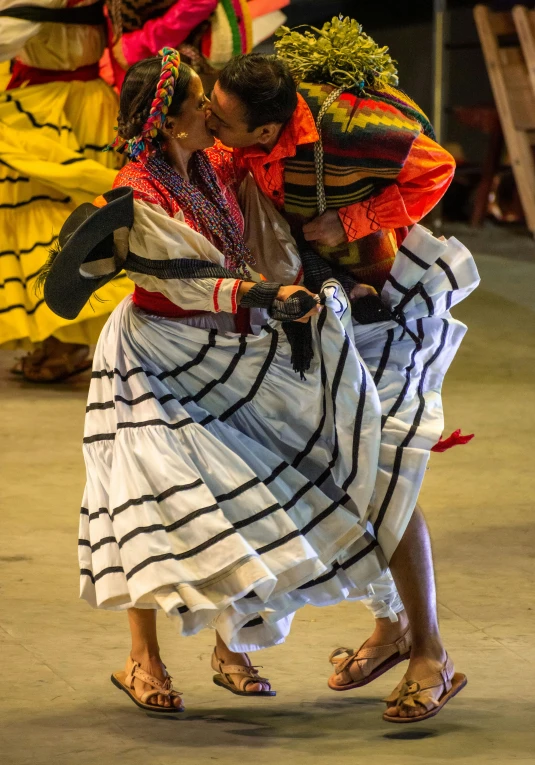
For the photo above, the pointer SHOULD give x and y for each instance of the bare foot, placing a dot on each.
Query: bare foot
(154, 666)
(385, 635)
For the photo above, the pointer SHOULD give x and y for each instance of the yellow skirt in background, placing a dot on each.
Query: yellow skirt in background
(51, 160)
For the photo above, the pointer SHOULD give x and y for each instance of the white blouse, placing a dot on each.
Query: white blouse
(157, 236)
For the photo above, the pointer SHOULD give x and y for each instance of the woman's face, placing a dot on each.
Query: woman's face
(189, 129)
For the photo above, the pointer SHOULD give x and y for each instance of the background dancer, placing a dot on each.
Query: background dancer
(207, 32)
(56, 117)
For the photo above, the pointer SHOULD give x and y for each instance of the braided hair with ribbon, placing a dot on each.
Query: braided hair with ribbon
(148, 97)
(162, 99)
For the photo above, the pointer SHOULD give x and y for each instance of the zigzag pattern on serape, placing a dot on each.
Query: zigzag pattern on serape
(366, 141)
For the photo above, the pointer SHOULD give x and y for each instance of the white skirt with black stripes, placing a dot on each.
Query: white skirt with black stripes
(227, 491)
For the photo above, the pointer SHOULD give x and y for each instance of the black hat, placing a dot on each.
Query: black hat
(87, 257)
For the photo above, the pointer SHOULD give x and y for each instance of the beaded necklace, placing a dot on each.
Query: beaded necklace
(208, 207)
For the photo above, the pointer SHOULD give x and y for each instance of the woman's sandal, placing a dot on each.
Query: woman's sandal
(371, 662)
(125, 682)
(430, 694)
(250, 677)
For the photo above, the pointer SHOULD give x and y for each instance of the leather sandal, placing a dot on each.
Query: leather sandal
(125, 682)
(249, 674)
(52, 364)
(429, 695)
(371, 662)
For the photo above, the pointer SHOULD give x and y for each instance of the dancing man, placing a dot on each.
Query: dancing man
(347, 140)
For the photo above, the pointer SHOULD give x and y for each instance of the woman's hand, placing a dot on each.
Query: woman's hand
(285, 292)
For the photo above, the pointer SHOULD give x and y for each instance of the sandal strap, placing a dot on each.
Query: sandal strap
(340, 654)
(441, 678)
(249, 673)
(163, 687)
(425, 693)
(238, 669)
(343, 658)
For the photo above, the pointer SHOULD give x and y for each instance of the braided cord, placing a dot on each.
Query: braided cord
(114, 7)
(318, 150)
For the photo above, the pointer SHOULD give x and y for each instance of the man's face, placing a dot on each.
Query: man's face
(227, 121)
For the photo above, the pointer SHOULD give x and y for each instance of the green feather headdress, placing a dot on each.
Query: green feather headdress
(339, 54)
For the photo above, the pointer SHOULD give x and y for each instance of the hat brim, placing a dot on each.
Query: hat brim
(67, 289)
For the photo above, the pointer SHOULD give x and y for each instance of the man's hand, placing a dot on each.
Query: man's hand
(326, 229)
(362, 290)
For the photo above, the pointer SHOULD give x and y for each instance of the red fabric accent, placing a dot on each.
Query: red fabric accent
(32, 75)
(233, 300)
(243, 325)
(155, 302)
(456, 439)
(216, 292)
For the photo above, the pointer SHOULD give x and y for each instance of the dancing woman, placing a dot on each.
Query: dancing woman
(221, 485)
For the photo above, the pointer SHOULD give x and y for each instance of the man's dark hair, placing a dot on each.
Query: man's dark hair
(264, 85)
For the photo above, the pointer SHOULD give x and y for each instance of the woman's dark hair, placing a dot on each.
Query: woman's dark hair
(264, 85)
(138, 91)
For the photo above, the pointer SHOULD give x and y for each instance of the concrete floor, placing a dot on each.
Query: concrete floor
(58, 706)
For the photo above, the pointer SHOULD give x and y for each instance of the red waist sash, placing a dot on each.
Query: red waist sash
(158, 304)
(33, 75)
(155, 302)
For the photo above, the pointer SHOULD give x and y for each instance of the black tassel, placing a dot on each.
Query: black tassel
(43, 272)
(300, 338)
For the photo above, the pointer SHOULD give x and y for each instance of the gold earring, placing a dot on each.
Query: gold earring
(180, 135)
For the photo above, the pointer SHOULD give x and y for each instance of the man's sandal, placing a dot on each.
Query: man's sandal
(429, 695)
(370, 662)
(249, 674)
(125, 682)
